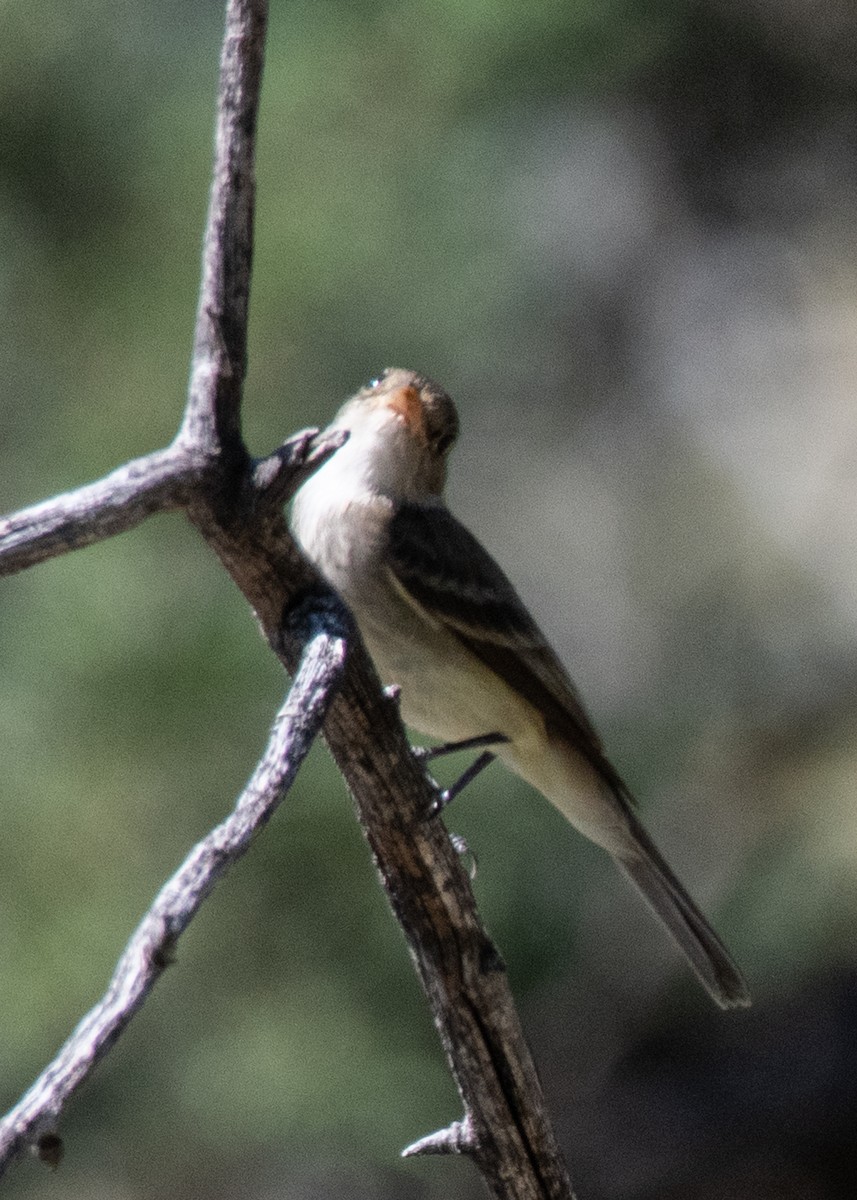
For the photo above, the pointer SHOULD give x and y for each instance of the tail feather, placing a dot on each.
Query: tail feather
(652, 876)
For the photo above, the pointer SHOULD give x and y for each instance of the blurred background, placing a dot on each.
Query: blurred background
(621, 233)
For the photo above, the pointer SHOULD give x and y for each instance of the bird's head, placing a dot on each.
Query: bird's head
(401, 428)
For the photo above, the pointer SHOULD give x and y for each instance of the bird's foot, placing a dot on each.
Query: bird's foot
(444, 796)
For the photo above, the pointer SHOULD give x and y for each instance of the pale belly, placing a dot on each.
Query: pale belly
(449, 695)
(446, 692)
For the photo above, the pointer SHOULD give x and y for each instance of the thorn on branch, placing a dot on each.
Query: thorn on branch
(457, 1138)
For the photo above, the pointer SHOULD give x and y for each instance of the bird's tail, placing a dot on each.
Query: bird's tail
(652, 876)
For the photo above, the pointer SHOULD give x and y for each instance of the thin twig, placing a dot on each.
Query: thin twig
(32, 1122)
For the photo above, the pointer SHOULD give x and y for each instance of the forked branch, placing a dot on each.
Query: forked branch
(236, 505)
(33, 1120)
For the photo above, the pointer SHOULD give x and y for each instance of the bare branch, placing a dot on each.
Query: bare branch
(211, 421)
(32, 1122)
(113, 504)
(236, 506)
(158, 482)
(506, 1128)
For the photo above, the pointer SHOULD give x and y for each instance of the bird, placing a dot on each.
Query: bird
(443, 623)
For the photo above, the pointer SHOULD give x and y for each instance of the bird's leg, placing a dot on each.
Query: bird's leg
(427, 753)
(442, 798)
(446, 797)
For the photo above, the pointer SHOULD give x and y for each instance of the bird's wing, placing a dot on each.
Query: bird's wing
(442, 570)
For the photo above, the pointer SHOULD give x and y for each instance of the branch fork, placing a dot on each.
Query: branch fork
(235, 504)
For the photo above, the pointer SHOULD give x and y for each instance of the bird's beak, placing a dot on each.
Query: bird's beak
(405, 401)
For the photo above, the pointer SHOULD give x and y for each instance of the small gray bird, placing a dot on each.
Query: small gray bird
(442, 621)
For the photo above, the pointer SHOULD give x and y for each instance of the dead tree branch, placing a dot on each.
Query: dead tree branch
(236, 505)
(118, 502)
(33, 1120)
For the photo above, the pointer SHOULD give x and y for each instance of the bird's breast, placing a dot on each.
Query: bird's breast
(343, 536)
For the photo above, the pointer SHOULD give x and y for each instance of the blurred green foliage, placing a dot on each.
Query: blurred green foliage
(517, 200)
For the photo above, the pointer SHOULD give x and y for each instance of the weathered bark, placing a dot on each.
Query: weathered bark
(236, 505)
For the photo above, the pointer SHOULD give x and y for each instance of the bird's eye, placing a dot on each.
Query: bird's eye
(443, 442)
